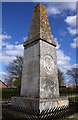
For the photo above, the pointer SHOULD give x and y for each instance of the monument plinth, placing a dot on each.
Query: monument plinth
(39, 86)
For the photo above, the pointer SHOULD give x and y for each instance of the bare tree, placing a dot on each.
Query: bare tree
(73, 73)
(60, 77)
(15, 72)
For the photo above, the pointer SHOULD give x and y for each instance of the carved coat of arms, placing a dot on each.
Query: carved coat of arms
(48, 64)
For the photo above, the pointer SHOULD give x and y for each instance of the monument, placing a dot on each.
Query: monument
(39, 86)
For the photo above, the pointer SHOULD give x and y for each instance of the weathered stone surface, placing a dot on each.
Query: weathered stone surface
(25, 102)
(40, 27)
(50, 103)
(37, 81)
(30, 74)
(39, 86)
(49, 87)
(38, 104)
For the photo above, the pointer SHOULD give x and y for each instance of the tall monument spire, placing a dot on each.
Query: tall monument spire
(40, 28)
(39, 85)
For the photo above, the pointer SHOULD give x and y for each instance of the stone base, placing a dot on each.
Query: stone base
(25, 102)
(50, 103)
(37, 104)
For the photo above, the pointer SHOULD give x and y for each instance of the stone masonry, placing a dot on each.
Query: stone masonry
(33, 69)
(39, 86)
(39, 27)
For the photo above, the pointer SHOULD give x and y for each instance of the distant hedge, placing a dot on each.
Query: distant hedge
(73, 101)
(7, 93)
(68, 91)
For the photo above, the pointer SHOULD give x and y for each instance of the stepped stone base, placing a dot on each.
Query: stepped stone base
(42, 104)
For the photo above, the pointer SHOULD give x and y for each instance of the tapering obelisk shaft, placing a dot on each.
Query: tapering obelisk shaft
(39, 86)
(40, 27)
(39, 77)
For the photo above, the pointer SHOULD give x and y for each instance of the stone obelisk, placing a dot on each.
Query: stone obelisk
(39, 86)
(39, 76)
